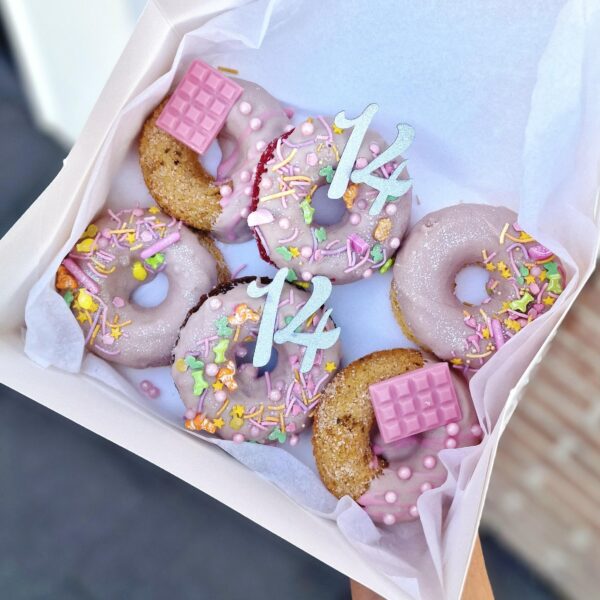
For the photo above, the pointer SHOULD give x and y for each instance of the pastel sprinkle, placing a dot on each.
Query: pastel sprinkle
(181, 365)
(161, 245)
(200, 384)
(307, 211)
(156, 260)
(138, 271)
(320, 234)
(283, 251)
(387, 265)
(193, 363)
(220, 349)
(223, 329)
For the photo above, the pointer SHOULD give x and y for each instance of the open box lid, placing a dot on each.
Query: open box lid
(105, 411)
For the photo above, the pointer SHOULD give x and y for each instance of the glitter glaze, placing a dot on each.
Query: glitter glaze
(290, 172)
(118, 253)
(221, 389)
(412, 464)
(525, 279)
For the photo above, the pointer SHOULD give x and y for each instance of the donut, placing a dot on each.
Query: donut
(223, 392)
(119, 252)
(353, 460)
(185, 190)
(283, 218)
(525, 278)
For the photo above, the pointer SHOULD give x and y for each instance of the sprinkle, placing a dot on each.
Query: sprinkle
(285, 161)
(163, 243)
(220, 349)
(181, 365)
(330, 367)
(307, 210)
(223, 329)
(383, 229)
(222, 407)
(320, 234)
(284, 252)
(277, 195)
(80, 276)
(328, 172)
(503, 233)
(155, 261)
(228, 70)
(377, 253)
(138, 271)
(386, 266)
(86, 245)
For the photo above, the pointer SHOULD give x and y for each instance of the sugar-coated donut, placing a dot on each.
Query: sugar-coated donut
(223, 392)
(387, 479)
(525, 278)
(288, 235)
(119, 252)
(183, 188)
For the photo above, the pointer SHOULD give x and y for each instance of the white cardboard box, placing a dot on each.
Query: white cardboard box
(39, 234)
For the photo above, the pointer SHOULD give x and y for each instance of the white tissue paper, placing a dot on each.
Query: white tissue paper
(505, 102)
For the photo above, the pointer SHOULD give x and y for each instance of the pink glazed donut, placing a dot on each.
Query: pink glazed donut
(353, 460)
(525, 279)
(223, 392)
(119, 252)
(284, 221)
(184, 189)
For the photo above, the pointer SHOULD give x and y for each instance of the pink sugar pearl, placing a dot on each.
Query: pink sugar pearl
(404, 473)
(215, 303)
(245, 108)
(284, 223)
(362, 204)
(266, 184)
(429, 462)
(306, 251)
(390, 209)
(245, 176)
(306, 276)
(425, 487)
(354, 219)
(414, 511)
(452, 429)
(255, 124)
(275, 395)
(307, 128)
(211, 369)
(225, 190)
(238, 438)
(244, 213)
(451, 443)
(220, 396)
(390, 497)
(261, 145)
(476, 431)
(254, 431)
(394, 242)
(367, 273)
(294, 440)
(389, 519)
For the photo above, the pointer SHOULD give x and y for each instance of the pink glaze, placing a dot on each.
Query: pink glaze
(346, 251)
(413, 463)
(524, 281)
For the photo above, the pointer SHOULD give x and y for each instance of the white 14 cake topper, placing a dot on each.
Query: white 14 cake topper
(319, 339)
(391, 186)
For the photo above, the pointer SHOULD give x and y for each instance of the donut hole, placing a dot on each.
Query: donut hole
(470, 285)
(152, 293)
(328, 211)
(244, 354)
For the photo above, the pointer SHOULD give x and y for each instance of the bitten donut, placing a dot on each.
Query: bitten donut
(118, 253)
(283, 219)
(525, 279)
(353, 460)
(183, 188)
(223, 392)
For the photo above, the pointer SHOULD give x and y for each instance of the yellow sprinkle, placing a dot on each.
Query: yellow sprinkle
(336, 129)
(296, 178)
(280, 407)
(93, 338)
(102, 269)
(336, 152)
(281, 423)
(228, 70)
(255, 413)
(484, 254)
(272, 419)
(478, 355)
(285, 161)
(522, 240)
(136, 247)
(278, 195)
(180, 365)
(86, 245)
(154, 210)
(456, 361)
(237, 334)
(138, 271)
(503, 233)
(118, 231)
(223, 407)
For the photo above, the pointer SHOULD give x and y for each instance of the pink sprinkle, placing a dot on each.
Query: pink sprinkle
(361, 163)
(118, 302)
(497, 333)
(358, 244)
(80, 276)
(160, 245)
(311, 159)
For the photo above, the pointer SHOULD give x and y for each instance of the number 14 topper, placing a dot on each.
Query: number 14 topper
(319, 339)
(344, 173)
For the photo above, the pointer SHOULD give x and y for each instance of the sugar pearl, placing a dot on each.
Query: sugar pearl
(248, 190)
(306, 251)
(414, 511)
(190, 413)
(244, 213)
(361, 163)
(429, 462)
(238, 438)
(362, 204)
(289, 127)
(294, 439)
(391, 497)
(450, 442)
(389, 519)
(245, 108)
(306, 276)
(215, 303)
(255, 124)
(425, 487)
(354, 219)
(220, 396)
(390, 209)
(394, 242)
(275, 395)
(137, 212)
(225, 190)
(284, 223)
(261, 145)
(374, 148)
(154, 392)
(307, 128)
(245, 176)
(367, 273)
(452, 429)
(106, 233)
(211, 369)
(476, 431)
(404, 473)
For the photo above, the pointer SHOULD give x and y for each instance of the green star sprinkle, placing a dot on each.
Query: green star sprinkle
(155, 260)
(223, 329)
(277, 435)
(327, 172)
(193, 363)
(377, 253)
(551, 268)
(283, 251)
(200, 384)
(307, 211)
(320, 234)
(386, 266)
(291, 276)
(68, 297)
(220, 350)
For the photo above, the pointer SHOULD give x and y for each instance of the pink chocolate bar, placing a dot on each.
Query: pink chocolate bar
(417, 401)
(198, 107)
